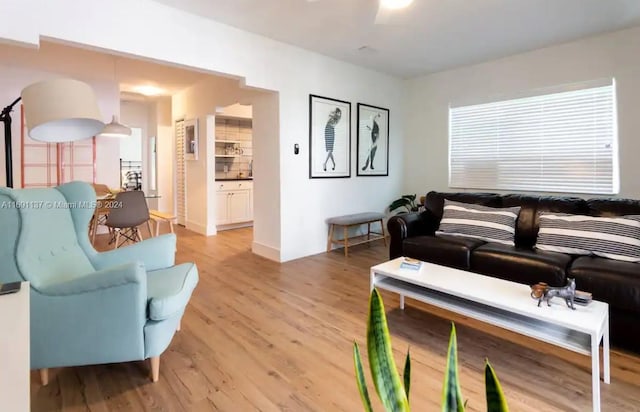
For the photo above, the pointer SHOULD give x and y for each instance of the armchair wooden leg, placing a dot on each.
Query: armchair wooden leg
(44, 376)
(155, 368)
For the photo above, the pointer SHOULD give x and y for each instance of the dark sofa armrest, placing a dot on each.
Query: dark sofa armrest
(408, 225)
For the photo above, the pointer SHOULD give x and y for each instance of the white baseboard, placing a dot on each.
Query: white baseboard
(266, 251)
(234, 226)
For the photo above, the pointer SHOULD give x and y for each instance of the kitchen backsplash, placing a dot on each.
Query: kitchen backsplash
(233, 139)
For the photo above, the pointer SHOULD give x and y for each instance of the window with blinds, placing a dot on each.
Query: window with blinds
(559, 141)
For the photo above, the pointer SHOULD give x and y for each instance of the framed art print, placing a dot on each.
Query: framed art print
(191, 139)
(373, 141)
(329, 137)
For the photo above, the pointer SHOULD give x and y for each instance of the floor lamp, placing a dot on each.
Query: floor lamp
(55, 111)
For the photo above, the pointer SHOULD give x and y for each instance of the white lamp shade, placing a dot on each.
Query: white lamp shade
(115, 129)
(61, 110)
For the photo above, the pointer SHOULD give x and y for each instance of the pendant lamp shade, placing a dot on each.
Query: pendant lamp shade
(61, 110)
(115, 129)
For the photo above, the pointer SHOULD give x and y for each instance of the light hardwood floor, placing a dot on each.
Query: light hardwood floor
(259, 335)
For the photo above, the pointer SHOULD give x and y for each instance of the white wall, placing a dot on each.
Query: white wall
(137, 114)
(611, 55)
(237, 110)
(200, 102)
(266, 195)
(173, 36)
(14, 78)
(165, 154)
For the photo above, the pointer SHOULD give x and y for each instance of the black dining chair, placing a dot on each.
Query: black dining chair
(128, 211)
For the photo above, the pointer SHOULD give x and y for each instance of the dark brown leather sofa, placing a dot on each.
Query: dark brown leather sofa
(611, 281)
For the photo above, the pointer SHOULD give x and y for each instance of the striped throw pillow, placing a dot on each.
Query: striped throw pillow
(610, 237)
(480, 222)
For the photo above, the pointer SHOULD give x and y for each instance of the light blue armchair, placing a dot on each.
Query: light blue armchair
(89, 307)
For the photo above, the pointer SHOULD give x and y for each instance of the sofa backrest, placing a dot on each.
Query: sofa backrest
(529, 218)
(613, 207)
(531, 206)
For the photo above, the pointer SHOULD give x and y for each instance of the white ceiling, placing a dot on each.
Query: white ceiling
(429, 36)
(94, 65)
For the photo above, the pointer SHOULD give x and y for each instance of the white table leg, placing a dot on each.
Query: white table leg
(605, 352)
(402, 302)
(595, 371)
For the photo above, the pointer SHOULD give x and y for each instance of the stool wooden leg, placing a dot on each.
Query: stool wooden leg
(330, 238)
(171, 226)
(157, 227)
(346, 243)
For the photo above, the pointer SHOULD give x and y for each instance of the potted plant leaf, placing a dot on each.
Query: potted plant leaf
(394, 392)
(406, 202)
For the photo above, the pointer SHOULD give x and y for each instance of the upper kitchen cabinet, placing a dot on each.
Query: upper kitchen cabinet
(233, 143)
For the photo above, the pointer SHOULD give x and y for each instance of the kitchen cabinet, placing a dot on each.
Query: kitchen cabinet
(234, 202)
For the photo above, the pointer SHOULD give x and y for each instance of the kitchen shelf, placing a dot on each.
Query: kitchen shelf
(233, 155)
(230, 141)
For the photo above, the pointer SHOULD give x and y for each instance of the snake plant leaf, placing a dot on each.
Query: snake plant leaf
(406, 375)
(451, 393)
(362, 383)
(383, 367)
(496, 401)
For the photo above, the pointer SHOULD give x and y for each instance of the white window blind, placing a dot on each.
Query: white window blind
(553, 142)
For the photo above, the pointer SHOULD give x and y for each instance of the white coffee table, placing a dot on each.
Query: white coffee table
(507, 305)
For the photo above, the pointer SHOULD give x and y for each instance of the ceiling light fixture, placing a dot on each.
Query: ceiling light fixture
(395, 4)
(149, 90)
(115, 129)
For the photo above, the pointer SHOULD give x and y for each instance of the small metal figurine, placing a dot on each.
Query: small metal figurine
(543, 292)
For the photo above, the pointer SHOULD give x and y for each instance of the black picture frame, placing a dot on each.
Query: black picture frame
(329, 139)
(373, 140)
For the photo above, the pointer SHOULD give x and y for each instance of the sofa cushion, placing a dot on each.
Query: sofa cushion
(610, 237)
(615, 282)
(520, 265)
(479, 222)
(444, 250)
(169, 290)
(434, 204)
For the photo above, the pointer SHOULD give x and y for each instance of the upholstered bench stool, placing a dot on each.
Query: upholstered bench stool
(159, 217)
(357, 219)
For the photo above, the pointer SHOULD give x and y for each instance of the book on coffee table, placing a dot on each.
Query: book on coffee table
(410, 263)
(582, 298)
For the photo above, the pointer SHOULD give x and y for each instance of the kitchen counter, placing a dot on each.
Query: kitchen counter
(227, 179)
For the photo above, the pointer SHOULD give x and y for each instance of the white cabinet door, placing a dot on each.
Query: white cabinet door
(222, 207)
(240, 206)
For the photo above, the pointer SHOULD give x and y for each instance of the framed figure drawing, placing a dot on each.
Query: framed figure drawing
(373, 141)
(191, 139)
(329, 137)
